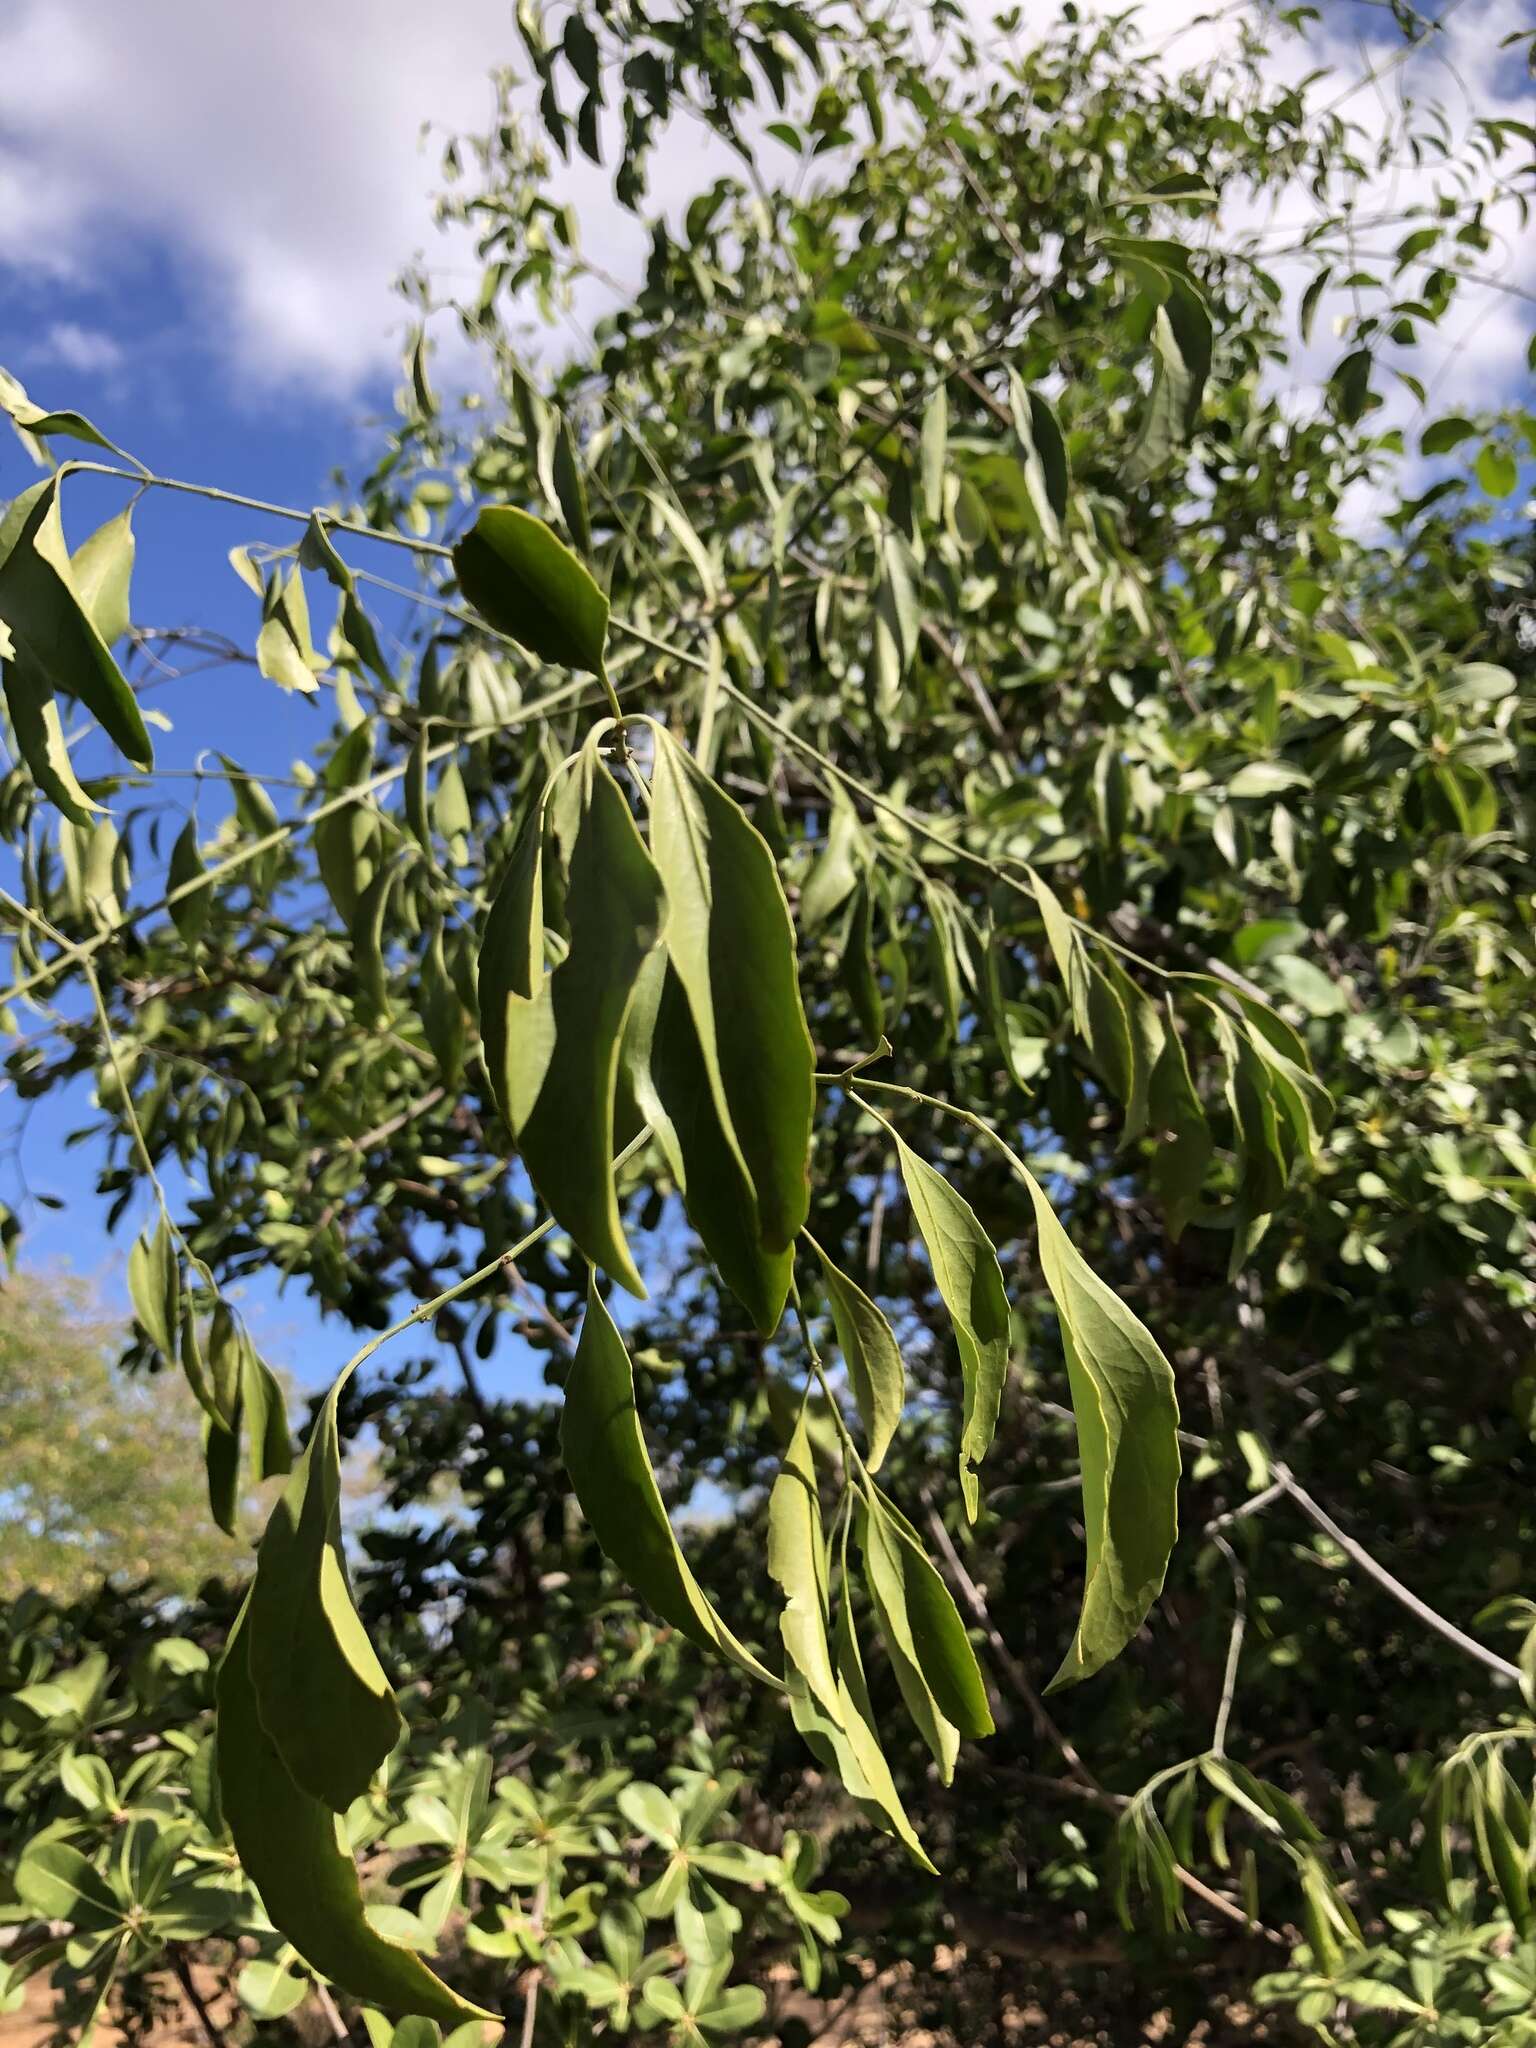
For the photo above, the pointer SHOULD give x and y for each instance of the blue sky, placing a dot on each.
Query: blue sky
(202, 213)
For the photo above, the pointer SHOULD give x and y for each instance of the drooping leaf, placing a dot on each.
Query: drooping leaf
(517, 1019)
(1179, 1163)
(285, 653)
(1127, 1432)
(286, 1842)
(970, 1284)
(935, 1664)
(39, 733)
(671, 1085)
(266, 1413)
(154, 1287)
(610, 1472)
(103, 571)
(526, 583)
(797, 1563)
(1047, 477)
(51, 629)
(616, 912)
(1181, 341)
(730, 939)
(321, 1692)
(189, 913)
(869, 1348)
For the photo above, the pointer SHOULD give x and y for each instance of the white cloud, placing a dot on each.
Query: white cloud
(78, 348)
(275, 154)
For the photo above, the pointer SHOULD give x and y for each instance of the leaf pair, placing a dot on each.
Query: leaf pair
(58, 617)
(935, 1667)
(305, 1718)
(551, 1039)
(711, 1033)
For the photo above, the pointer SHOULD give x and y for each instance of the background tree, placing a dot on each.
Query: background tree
(102, 1483)
(956, 512)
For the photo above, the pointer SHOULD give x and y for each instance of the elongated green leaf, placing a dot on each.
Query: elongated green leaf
(1181, 340)
(849, 1744)
(869, 1348)
(616, 912)
(797, 1563)
(1127, 1433)
(368, 944)
(266, 1413)
(570, 488)
(40, 740)
(883, 1576)
(154, 1287)
(1179, 1163)
(323, 1697)
(51, 629)
(672, 1091)
(103, 571)
(221, 1458)
(343, 836)
(860, 977)
(527, 584)
(611, 1474)
(935, 452)
(189, 913)
(517, 1018)
(970, 1283)
(286, 1842)
(932, 1657)
(1047, 479)
(285, 653)
(730, 939)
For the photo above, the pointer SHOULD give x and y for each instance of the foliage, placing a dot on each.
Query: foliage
(909, 827)
(101, 1475)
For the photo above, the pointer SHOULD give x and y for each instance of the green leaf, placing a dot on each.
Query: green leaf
(921, 1624)
(39, 733)
(323, 1697)
(886, 1580)
(221, 1458)
(517, 1019)
(527, 584)
(797, 1564)
(730, 939)
(570, 489)
(266, 1413)
(56, 1882)
(188, 913)
(1349, 388)
(102, 567)
(1441, 436)
(869, 1348)
(970, 1284)
(1047, 477)
(268, 1991)
(934, 441)
(849, 1744)
(285, 653)
(1181, 342)
(154, 1288)
(665, 1068)
(1127, 1433)
(1497, 470)
(1184, 1152)
(286, 1842)
(616, 912)
(605, 1456)
(52, 632)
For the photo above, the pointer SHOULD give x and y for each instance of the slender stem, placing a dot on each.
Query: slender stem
(1234, 1645)
(264, 505)
(1317, 1514)
(850, 1448)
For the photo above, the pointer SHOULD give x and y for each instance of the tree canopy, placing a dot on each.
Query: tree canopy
(919, 878)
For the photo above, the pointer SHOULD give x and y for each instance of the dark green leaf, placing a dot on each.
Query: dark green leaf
(870, 1351)
(527, 584)
(605, 1455)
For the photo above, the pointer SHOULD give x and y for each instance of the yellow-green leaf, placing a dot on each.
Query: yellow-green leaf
(797, 1563)
(869, 1348)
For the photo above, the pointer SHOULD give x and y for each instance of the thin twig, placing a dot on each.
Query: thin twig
(1468, 1645)
(1234, 1645)
(205, 2019)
